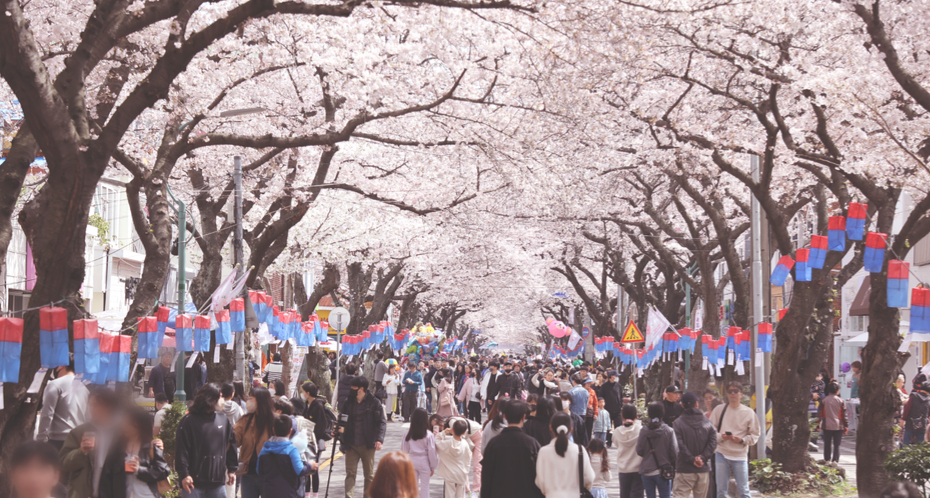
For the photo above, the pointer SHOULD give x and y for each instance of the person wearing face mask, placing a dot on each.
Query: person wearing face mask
(364, 432)
(508, 382)
(64, 407)
(625, 436)
(578, 434)
(252, 431)
(205, 447)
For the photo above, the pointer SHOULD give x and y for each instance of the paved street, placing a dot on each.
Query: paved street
(396, 431)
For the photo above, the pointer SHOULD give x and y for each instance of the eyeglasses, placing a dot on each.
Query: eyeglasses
(734, 391)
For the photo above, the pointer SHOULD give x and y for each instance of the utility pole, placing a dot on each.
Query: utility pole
(757, 304)
(240, 370)
(181, 211)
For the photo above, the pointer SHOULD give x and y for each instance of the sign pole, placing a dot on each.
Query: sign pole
(339, 320)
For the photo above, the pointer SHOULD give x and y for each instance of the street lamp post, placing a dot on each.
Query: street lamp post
(181, 211)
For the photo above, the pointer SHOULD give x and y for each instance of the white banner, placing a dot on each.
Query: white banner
(656, 326)
(699, 317)
(573, 340)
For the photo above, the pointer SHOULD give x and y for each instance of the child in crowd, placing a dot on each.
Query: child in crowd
(454, 458)
(600, 462)
(602, 422)
(280, 467)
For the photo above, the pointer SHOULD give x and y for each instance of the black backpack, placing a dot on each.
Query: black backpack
(329, 421)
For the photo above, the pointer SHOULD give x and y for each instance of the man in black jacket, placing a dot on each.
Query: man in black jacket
(613, 400)
(363, 434)
(672, 404)
(508, 469)
(342, 393)
(161, 380)
(507, 382)
(697, 442)
(493, 383)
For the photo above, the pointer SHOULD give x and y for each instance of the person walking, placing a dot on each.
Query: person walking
(280, 466)
(737, 430)
(833, 422)
(854, 383)
(344, 386)
(363, 434)
(252, 431)
(390, 382)
(381, 369)
(592, 409)
(446, 394)
(671, 404)
(600, 462)
(915, 412)
(429, 382)
(537, 424)
(64, 407)
(491, 384)
(475, 435)
(495, 424)
(545, 383)
(412, 379)
(659, 449)
(323, 420)
(697, 442)
(454, 452)
(86, 447)
(420, 445)
(508, 469)
(557, 472)
(135, 463)
(602, 422)
(161, 380)
(612, 393)
(205, 447)
(233, 410)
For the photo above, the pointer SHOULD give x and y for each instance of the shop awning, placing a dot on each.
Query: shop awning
(860, 305)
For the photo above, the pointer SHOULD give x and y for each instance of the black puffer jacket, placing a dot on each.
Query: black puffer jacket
(613, 399)
(372, 426)
(696, 437)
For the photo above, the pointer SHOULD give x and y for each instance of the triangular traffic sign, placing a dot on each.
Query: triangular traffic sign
(632, 334)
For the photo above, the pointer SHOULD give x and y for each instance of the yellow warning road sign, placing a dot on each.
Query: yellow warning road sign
(632, 334)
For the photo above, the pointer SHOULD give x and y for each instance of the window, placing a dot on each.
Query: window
(106, 205)
(922, 252)
(18, 301)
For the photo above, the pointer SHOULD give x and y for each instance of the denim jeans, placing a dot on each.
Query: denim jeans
(913, 437)
(653, 483)
(215, 492)
(250, 486)
(740, 471)
(601, 435)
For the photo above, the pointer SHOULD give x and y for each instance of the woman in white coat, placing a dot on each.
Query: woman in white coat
(557, 464)
(390, 383)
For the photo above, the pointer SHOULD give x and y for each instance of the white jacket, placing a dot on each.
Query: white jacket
(557, 477)
(454, 458)
(625, 439)
(390, 383)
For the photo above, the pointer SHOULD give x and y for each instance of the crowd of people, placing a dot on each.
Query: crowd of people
(487, 426)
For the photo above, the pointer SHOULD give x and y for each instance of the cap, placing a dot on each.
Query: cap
(613, 373)
(589, 380)
(673, 388)
(689, 400)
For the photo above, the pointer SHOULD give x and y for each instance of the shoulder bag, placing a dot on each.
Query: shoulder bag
(666, 471)
(585, 493)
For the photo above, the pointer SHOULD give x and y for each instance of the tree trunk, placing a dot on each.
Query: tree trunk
(797, 365)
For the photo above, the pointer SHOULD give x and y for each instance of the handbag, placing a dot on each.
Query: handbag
(666, 471)
(164, 485)
(585, 493)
